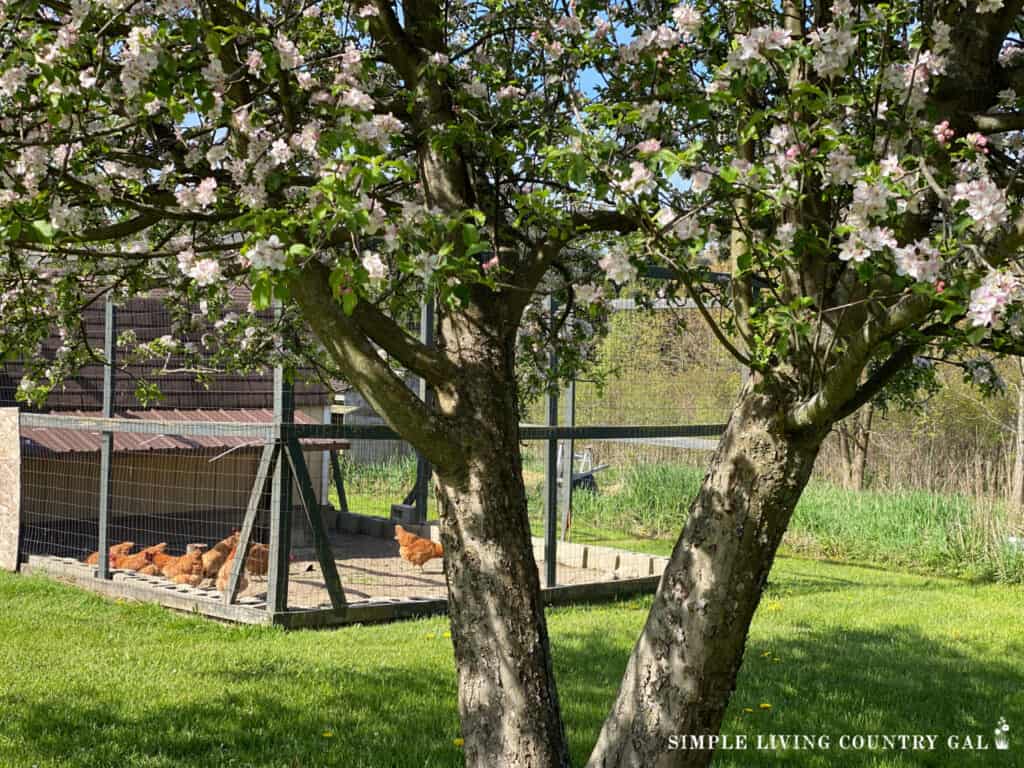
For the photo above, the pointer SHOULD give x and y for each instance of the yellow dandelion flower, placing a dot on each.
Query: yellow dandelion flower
(447, 634)
(328, 734)
(764, 705)
(458, 742)
(748, 710)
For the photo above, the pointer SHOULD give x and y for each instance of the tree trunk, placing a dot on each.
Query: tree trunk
(508, 703)
(683, 668)
(861, 443)
(1017, 498)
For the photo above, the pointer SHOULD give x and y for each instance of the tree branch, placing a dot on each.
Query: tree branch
(358, 360)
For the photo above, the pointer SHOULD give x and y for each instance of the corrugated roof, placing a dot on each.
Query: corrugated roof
(150, 319)
(43, 440)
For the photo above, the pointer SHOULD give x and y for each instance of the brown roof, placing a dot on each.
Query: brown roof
(150, 319)
(44, 440)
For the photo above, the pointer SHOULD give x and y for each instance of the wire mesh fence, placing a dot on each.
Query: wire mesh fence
(194, 504)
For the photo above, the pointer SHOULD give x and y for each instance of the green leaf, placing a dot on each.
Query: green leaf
(349, 301)
(43, 231)
(262, 292)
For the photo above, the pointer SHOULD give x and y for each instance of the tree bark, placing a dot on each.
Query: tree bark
(683, 668)
(507, 697)
(1017, 491)
(508, 702)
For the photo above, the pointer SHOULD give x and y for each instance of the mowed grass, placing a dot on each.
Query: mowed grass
(834, 649)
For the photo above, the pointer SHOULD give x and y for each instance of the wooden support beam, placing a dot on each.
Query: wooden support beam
(321, 543)
(267, 461)
(339, 482)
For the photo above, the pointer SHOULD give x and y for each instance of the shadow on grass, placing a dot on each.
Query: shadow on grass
(892, 681)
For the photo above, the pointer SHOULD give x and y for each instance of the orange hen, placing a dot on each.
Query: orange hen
(415, 549)
(116, 550)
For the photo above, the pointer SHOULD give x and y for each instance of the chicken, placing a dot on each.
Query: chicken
(224, 575)
(135, 562)
(403, 537)
(214, 558)
(116, 550)
(188, 566)
(416, 550)
(150, 570)
(258, 560)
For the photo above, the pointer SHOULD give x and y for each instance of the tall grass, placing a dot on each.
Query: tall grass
(643, 505)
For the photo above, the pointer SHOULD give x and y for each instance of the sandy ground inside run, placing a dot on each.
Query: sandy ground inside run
(370, 569)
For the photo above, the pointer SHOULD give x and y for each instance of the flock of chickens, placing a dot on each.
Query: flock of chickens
(193, 567)
(199, 563)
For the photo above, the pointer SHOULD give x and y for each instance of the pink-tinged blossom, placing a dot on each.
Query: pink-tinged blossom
(491, 263)
(141, 55)
(254, 62)
(438, 59)
(761, 40)
(87, 78)
(868, 200)
(699, 182)
(356, 99)
(206, 194)
(510, 92)
(841, 167)
(186, 260)
(990, 299)
(13, 79)
(833, 46)
(985, 6)
(919, 260)
(977, 142)
(648, 147)
(281, 152)
(649, 113)
(943, 133)
(205, 272)
(853, 250)
(374, 265)
(986, 203)
(369, 10)
(683, 227)
(687, 18)
(640, 179)
(569, 25)
(268, 254)
(288, 51)
(617, 267)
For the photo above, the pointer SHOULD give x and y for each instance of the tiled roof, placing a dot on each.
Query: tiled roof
(150, 319)
(43, 440)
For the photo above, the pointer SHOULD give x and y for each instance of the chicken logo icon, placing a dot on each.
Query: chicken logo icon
(1002, 734)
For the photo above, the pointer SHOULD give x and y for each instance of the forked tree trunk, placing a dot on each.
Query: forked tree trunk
(683, 668)
(1017, 481)
(508, 703)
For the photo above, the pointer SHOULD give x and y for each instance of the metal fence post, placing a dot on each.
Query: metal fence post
(106, 439)
(568, 448)
(423, 468)
(281, 497)
(551, 470)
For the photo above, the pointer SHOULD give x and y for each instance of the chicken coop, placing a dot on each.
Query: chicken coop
(243, 500)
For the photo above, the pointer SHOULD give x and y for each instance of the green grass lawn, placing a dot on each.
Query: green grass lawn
(834, 649)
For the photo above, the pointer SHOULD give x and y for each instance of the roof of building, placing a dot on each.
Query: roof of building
(150, 319)
(51, 440)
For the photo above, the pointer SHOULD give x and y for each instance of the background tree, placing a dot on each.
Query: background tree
(354, 159)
